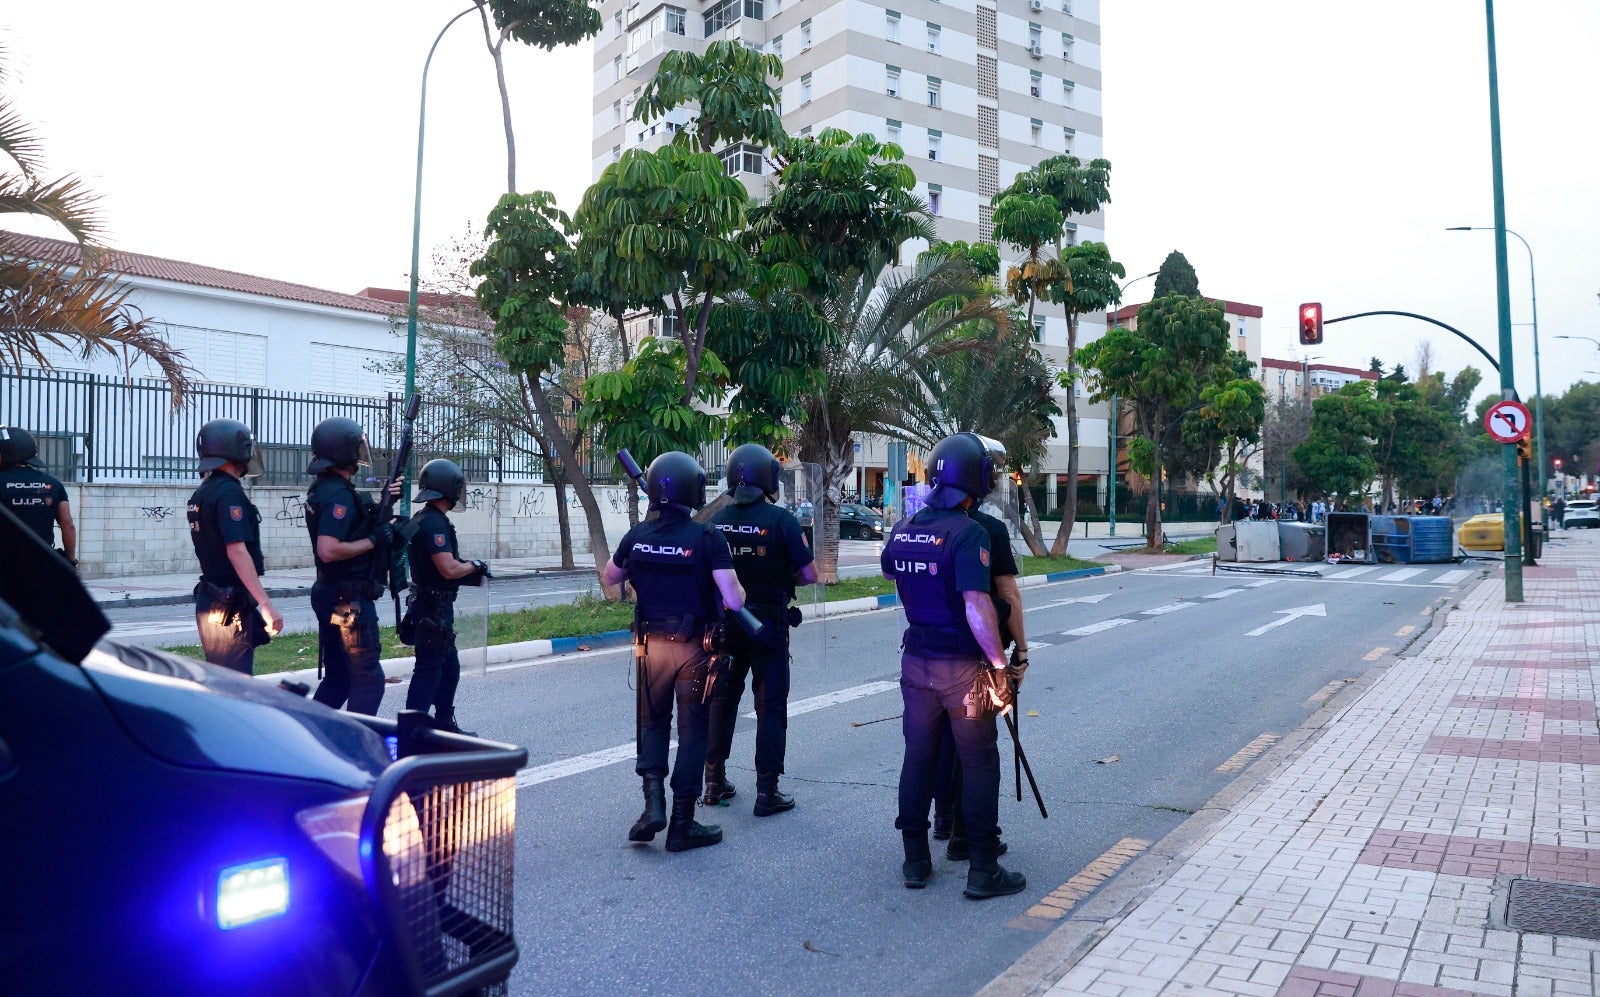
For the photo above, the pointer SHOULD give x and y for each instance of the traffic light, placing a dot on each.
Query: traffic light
(1524, 449)
(1558, 465)
(1311, 323)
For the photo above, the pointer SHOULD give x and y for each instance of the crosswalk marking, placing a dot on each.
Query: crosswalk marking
(1401, 575)
(1264, 581)
(1451, 577)
(1171, 607)
(1224, 593)
(1352, 572)
(1095, 628)
(1194, 571)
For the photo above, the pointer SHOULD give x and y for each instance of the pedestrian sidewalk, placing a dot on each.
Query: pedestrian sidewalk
(1381, 854)
(173, 589)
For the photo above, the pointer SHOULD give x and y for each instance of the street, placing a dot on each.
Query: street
(1152, 689)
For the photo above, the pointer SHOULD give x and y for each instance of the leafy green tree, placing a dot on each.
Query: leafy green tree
(544, 24)
(1032, 223)
(641, 405)
(1287, 425)
(526, 278)
(1237, 407)
(1337, 453)
(1176, 276)
(1158, 369)
(983, 257)
(727, 84)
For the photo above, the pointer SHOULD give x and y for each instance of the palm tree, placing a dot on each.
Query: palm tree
(75, 301)
(891, 323)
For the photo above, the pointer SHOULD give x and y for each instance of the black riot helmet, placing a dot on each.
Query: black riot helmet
(675, 478)
(752, 473)
(441, 479)
(960, 467)
(338, 442)
(18, 447)
(223, 440)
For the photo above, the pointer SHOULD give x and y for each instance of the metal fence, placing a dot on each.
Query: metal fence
(100, 428)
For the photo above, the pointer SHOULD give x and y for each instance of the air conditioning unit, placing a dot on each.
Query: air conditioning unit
(1036, 50)
(1033, 90)
(1036, 4)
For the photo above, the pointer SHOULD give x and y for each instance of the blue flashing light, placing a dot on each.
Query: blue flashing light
(393, 744)
(252, 892)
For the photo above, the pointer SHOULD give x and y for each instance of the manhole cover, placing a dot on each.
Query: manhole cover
(1554, 908)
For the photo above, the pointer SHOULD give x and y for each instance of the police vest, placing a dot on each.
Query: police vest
(210, 547)
(333, 490)
(760, 551)
(921, 554)
(32, 495)
(435, 534)
(670, 569)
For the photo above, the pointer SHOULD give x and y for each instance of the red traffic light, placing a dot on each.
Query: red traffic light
(1311, 323)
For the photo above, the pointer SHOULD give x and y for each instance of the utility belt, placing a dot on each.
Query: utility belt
(437, 596)
(941, 642)
(351, 589)
(712, 637)
(238, 604)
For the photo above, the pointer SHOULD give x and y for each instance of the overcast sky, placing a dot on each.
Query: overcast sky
(1292, 151)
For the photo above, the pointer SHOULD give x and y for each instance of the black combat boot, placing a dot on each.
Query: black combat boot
(654, 817)
(918, 866)
(446, 721)
(986, 878)
(941, 828)
(959, 850)
(718, 789)
(769, 798)
(684, 833)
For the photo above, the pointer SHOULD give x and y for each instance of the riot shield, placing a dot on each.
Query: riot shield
(472, 628)
(1004, 502)
(800, 491)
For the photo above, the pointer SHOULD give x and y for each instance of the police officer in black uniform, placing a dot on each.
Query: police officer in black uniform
(948, 822)
(436, 572)
(37, 497)
(771, 556)
(683, 576)
(231, 608)
(952, 664)
(349, 543)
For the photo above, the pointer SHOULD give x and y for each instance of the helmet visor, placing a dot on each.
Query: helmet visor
(254, 467)
(363, 453)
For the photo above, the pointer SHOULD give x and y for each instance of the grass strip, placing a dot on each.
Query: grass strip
(1200, 545)
(1051, 565)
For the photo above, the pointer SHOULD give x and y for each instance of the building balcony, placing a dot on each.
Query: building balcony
(643, 60)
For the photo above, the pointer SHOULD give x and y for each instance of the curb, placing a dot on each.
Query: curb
(528, 650)
(297, 591)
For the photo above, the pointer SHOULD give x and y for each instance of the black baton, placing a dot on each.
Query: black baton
(1022, 759)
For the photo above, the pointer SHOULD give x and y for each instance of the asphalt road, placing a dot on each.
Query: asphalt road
(1170, 672)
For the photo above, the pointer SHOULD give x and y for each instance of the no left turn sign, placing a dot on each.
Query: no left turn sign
(1507, 421)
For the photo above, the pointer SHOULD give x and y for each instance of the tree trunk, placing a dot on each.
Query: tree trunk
(599, 548)
(1152, 511)
(837, 464)
(505, 103)
(564, 521)
(633, 502)
(1031, 536)
(1069, 514)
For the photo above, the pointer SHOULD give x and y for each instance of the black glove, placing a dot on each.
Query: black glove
(480, 572)
(1017, 666)
(382, 536)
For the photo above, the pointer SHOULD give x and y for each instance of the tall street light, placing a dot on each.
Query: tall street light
(1111, 477)
(1538, 385)
(1596, 342)
(1511, 516)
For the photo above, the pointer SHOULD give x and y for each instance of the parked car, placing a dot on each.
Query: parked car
(1581, 512)
(859, 522)
(176, 827)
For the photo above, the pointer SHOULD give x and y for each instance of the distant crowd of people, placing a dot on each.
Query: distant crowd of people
(1316, 510)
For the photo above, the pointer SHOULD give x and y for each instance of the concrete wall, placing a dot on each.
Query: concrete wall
(142, 529)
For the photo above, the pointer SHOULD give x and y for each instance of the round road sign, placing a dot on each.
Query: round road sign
(1507, 421)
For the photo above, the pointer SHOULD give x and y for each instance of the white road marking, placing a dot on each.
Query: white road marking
(1171, 607)
(1401, 575)
(153, 628)
(1091, 599)
(1452, 577)
(1224, 593)
(1095, 628)
(1264, 581)
(1289, 615)
(1195, 571)
(828, 699)
(1351, 572)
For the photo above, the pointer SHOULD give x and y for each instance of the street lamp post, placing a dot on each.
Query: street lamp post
(1538, 384)
(1596, 342)
(1111, 462)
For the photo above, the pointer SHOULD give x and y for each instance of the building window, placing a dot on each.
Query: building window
(677, 21)
(722, 14)
(1035, 83)
(616, 112)
(891, 84)
(1035, 130)
(1066, 6)
(1035, 33)
(933, 38)
(1038, 328)
(935, 91)
(805, 34)
(616, 24)
(616, 153)
(1069, 233)
(891, 130)
(616, 68)
(935, 197)
(935, 144)
(805, 132)
(1069, 136)
(891, 26)
(1067, 95)
(1066, 46)
(777, 46)
(741, 158)
(805, 89)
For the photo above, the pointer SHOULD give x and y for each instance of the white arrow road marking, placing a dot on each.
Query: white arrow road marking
(1171, 607)
(1289, 615)
(1095, 628)
(1090, 599)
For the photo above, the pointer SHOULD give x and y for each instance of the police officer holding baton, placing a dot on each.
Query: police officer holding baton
(771, 556)
(347, 539)
(952, 664)
(231, 608)
(683, 576)
(437, 571)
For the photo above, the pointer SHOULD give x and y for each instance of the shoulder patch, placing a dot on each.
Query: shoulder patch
(983, 556)
(438, 539)
(340, 510)
(236, 513)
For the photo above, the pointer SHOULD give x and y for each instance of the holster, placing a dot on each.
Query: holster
(990, 694)
(716, 668)
(240, 606)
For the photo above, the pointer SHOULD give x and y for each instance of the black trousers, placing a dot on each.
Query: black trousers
(347, 638)
(673, 671)
(227, 637)
(934, 689)
(438, 669)
(766, 662)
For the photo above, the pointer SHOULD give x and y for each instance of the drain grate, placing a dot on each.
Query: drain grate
(1554, 908)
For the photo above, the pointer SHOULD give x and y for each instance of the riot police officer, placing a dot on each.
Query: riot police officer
(348, 542)
(231, 608)
(771, 556)
(1007, 595)
(37, 497)
(683, 576)
(437, 570)
(952, 664)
